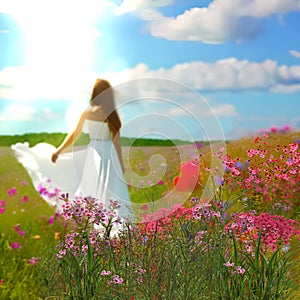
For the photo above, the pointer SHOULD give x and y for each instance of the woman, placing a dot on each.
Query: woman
(96, 171)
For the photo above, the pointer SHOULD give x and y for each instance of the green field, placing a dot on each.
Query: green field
(30, 272)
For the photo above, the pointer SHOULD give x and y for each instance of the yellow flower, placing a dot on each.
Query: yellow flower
(36, 237)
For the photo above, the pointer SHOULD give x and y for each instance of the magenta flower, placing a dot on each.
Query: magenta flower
(15, 245)
(51, 220)
(25, 199)
(160, 182)
(2, 203)
(12, 192)
(2, 210)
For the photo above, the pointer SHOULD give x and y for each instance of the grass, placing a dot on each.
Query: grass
(167, 257)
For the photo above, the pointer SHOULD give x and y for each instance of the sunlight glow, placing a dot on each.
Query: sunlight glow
(59, 44)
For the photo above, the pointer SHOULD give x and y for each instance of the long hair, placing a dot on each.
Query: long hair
(102, 95)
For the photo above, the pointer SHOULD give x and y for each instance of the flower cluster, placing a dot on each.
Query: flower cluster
(205, 212)
(273, 230)
(273, 175)
(48, 191)
(162, 220)
(93, 222)
(235, 270)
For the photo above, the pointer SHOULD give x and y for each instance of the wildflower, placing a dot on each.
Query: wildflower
(84, 248)
(18, 229)
(64, 197)
(105, 273)
(240, 270)
(36, 237)
(34, 260)
(229, 264)
(11, 192)
(2, 203)
(2, 210)
(194, 200)
(219, 180)
(25, 199)
(61, 253)
(116, 280)
(15, 245)
(160, 182)
(51, 220)
(144, 207)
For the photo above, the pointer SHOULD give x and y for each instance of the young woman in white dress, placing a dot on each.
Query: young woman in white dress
(97, 170)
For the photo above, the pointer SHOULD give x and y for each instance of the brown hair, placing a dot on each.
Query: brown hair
(102, 95)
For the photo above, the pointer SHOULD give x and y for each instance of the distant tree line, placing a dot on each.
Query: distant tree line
(56, 138)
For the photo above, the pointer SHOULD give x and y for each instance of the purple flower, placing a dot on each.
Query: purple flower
(12, 192)
(2, 210)
(160, 182)
(219, 180)
(15, 245)
(51, 220)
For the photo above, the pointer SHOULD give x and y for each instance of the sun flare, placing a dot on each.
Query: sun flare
(59, 39)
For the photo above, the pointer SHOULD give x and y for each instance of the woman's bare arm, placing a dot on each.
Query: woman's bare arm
(69, 139)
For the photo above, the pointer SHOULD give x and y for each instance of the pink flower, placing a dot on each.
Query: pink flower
(15, 245)
(12, 192)
(160, 182)
(34, 260)
(144, 207)
(19, 230)
(2, 203)
(25, 199)
(24, 182)
(2, 210)
(51, 220)
(240, 270)
(105, 273)
(229, 264)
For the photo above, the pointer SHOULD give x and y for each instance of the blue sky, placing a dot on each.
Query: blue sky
(181, 68)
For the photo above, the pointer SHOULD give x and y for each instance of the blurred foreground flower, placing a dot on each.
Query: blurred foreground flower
(15, 245)
(12, 192)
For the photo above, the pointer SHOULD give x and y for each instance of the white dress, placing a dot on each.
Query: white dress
(93, 171)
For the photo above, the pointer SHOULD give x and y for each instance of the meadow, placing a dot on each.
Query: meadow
(242, 242)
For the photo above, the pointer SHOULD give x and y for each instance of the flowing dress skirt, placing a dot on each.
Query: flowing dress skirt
(93, 171)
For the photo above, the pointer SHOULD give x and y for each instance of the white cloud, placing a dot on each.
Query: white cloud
(227, 74)
(138, 5)
(221, 21)
(294, 53)
(23, 84)
(17, 112)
